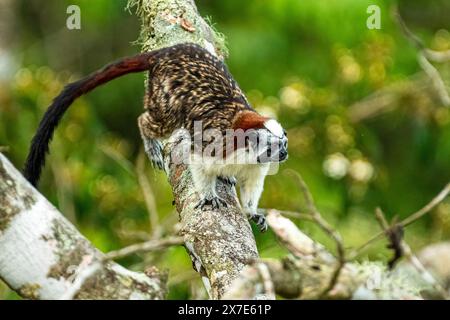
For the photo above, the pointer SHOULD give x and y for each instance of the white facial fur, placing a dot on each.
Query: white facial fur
(247, 165)
(274, 127)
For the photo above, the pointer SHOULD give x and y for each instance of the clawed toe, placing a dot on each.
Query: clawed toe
(213, 202)
(201, 204)
(217, 203)
(228, 180)
(260, 221)
(158, 163)
(154, 151)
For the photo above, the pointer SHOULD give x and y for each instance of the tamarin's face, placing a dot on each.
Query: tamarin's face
(272, 143)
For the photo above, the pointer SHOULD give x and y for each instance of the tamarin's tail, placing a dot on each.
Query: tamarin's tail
(39, 145)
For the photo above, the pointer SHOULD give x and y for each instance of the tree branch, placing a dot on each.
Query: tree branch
(43, 256)
(219, 242)
(306, 274)
(151, 245)
(407, 221)
(325, 226)
(422, 57)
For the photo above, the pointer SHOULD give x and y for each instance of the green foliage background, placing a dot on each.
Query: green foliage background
(305, 62)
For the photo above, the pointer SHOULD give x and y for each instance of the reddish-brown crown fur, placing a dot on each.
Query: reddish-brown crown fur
(249, 120)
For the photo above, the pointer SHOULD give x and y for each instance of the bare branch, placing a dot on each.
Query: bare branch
(325, 226)
(306, 275)
(437, 56)
(149, 197)
(394, 233)
(269, 291)
(295, 241)
(151, 245)
(435, 77)
(412, 218)
(422, 57)
(402, 248)
(147, 191)
(427, 208)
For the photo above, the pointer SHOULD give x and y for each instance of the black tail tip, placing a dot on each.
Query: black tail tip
(30, 174)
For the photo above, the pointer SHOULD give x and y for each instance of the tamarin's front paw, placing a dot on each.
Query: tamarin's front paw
(260, 221)
(228, 180)
(214, 201)
(154, 150)
(158, 163)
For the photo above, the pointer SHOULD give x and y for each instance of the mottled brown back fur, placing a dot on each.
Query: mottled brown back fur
(186, 83)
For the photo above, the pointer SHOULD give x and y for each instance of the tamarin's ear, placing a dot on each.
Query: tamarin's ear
(249, 120)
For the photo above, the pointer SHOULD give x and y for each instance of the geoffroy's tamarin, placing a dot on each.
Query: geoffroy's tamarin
(186, 84)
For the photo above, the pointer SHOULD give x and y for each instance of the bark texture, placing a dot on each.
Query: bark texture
(219, 242)
(43, 256)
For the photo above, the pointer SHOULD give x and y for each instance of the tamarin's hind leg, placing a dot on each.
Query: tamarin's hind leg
(228, 180)
(205, 185)
(150, 133)
(252, 184)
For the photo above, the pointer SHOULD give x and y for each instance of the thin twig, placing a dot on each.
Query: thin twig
(407, 252)
(119, 158)
(290, 214)
(379, 214)
(269, 290)
(406, 222)
(435, 77)
(149, 197)
(387, 98)
(437, 56)
(422, 57)
(394, 233)
(433, 203)
(152, 245)
(133, 235)
(147, 191)
(325, 226)
(295, 241)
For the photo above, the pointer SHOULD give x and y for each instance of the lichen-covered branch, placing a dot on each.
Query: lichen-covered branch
(169, 22)
(220, 242)
(43, 256)
(435, 258)
(307, 272)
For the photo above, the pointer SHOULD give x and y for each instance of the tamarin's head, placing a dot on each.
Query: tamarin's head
(265, 137)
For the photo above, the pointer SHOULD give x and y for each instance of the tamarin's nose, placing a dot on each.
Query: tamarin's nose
(283, 154)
